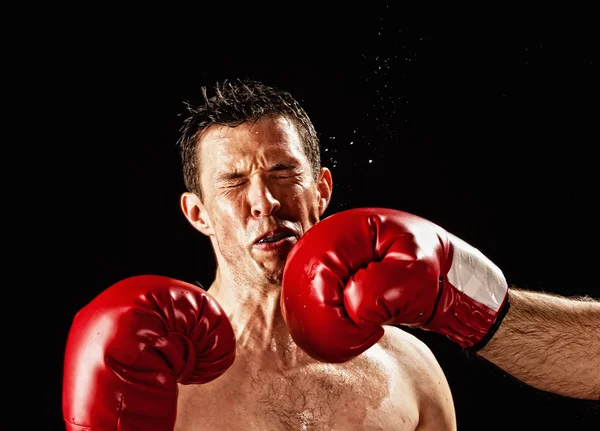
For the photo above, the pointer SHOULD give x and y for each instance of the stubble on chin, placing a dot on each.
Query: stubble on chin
(272, 274)
(248, 271)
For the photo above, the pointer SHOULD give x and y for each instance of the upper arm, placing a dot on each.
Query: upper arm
(434, 397)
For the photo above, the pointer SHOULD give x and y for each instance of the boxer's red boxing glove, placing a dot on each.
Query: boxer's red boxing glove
(129, 347)
(362, 268)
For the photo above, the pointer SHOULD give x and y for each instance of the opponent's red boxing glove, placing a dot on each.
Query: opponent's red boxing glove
(130, 346)
(362, 268)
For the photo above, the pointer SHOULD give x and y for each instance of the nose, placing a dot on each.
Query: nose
(262, 199)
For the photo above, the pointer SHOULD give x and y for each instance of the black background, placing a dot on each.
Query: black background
(484, 124)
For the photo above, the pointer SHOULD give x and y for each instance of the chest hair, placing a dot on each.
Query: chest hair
(317, 396)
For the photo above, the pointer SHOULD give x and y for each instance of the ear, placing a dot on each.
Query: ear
(195, 212)
(324, 189)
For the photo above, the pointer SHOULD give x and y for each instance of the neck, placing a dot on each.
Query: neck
(255, 314)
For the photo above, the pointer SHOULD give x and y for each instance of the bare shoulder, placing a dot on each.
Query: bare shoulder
(414, 360)
(409, 352)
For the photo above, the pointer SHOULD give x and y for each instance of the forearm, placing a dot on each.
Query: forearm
(551, 343)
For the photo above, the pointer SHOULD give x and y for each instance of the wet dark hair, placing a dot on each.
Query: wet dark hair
(236, 102)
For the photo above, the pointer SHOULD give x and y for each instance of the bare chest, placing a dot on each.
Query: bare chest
(317, 397)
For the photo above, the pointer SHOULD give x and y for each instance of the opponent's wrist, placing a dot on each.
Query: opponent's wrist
(494, 328)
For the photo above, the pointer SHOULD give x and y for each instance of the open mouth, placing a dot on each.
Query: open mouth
(276, 240)
(275, 236)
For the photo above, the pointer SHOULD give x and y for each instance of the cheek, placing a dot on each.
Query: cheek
(230, 209)
(303, 197)
(226, 218)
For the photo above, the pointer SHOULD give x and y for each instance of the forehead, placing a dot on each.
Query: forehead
(266, 138)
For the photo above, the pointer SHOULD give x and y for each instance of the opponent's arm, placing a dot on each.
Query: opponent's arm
(551, 343)
(375, 266)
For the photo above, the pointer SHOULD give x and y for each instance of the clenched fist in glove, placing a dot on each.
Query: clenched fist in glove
(362, 268)
(130, 346)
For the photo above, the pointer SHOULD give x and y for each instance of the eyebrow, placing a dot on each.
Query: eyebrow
(280, 166)
(283, 166)
(227, 176)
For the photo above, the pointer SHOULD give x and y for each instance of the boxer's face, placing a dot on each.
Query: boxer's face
(257, 180)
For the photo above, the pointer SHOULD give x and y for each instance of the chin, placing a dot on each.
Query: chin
(274, 276)
(271, 270)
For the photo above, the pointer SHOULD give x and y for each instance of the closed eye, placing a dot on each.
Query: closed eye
(236, 184)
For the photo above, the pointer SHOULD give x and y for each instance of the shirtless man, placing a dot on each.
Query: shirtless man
(255, 186)
(155, 353)
(262, 180)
